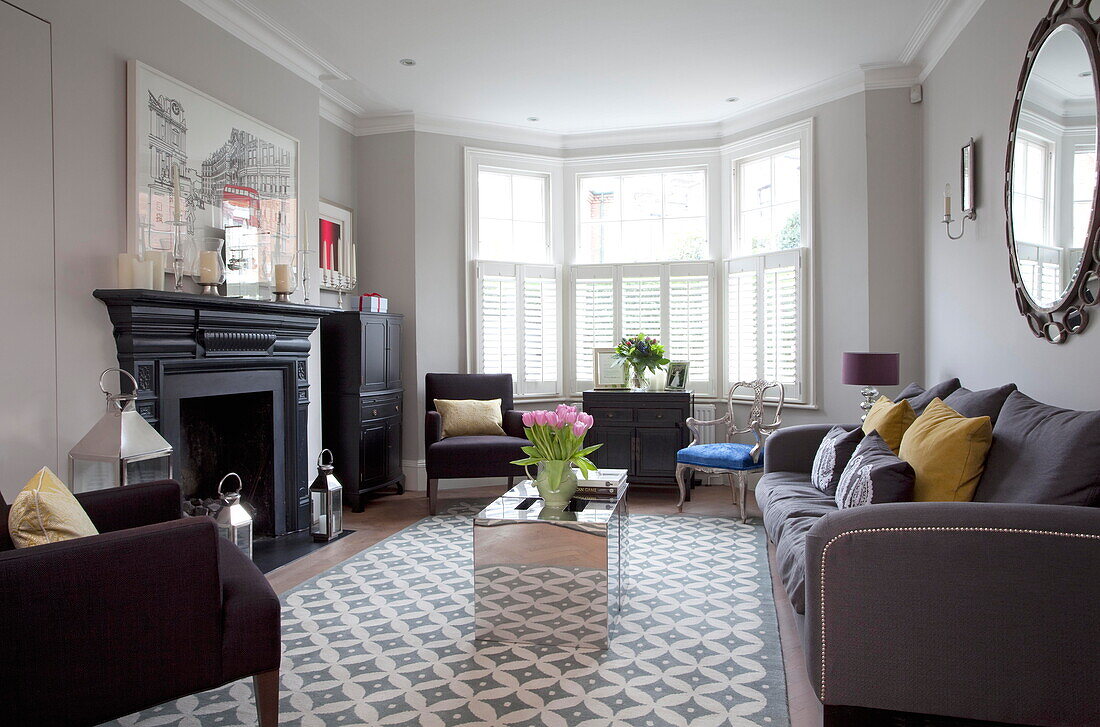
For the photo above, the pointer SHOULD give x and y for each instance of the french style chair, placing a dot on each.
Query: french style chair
(729, 458)
(471, 456)
(152, 609)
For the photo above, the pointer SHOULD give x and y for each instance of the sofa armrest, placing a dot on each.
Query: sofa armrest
(971, 610)
(139, 607)
(433, 428)
(513, 424)
(121, 508)
(792, 449)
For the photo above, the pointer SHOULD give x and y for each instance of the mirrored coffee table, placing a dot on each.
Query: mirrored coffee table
(546, 576)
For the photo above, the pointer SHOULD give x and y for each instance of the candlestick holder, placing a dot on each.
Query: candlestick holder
(303, 266)
(208, 267)
(286, 275)
(179, 233)
(947, 220)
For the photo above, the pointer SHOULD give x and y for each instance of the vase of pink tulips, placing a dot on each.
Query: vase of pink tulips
(557, 446)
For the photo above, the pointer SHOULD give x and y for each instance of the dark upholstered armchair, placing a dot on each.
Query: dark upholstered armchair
(152, 609)
(489, 456)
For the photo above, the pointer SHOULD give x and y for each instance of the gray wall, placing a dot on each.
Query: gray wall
(973, 328)
(91, 43)
(338, 180)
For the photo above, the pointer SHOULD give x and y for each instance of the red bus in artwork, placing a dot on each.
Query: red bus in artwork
(240, 206)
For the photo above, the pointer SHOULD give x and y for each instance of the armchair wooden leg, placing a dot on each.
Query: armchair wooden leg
(433, 495)
(266, 686)
(682, 471)
(742, 488)
(511, 482)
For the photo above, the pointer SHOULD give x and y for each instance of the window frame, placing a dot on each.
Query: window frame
(740, 152)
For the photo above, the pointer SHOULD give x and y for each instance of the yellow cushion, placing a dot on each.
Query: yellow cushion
(890, 420)
(947, 452)
(466, 417)
(46, 512)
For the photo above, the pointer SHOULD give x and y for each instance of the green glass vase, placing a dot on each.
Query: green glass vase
(556, 483)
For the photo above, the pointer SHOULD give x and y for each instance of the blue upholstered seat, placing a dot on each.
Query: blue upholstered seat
(723, 455)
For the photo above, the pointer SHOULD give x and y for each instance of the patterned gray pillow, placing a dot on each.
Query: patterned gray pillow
(833, 453)
(874, 474)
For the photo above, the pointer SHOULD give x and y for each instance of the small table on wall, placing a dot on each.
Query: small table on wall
(549, 577)
(641, 432)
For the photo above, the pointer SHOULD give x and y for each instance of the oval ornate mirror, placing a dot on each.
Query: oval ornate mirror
(1051, 176)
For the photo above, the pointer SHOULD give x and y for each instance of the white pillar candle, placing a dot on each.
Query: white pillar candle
(354, 259)
(143, 274)
(282, 279)
(176, 191)
(158, 258)
(209, 270)
(125, 270)
(947, 201)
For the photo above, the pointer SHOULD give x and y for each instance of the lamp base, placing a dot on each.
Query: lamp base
(282, 297)
(870, 395)
(210, 289)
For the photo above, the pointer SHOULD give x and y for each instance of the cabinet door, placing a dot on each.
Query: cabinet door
(655, 454)
(393, 449)
(393, 354)
(374, 354)
(372, 454)
(616, 452)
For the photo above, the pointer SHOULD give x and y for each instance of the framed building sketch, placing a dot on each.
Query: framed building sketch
(200, 168)
(606, 370)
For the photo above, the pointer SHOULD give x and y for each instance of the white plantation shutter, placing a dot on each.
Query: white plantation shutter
(518, 324)
(765, 305)
(1041, 270)
(641, 302)
(689, 323)
(593, 317)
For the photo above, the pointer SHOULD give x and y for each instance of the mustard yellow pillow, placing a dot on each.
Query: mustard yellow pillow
(46, 512)
(466, 417)
(947, 451)
(890, 420)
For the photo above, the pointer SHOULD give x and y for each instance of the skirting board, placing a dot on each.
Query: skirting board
(416, 478)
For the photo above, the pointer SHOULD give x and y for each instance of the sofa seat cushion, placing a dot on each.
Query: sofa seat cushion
(791, 505)
(723, 455)
(1042, 455)
(474, 456)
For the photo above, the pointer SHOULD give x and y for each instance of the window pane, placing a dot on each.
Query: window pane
(689, 324)
(494, 239)
(598, 242)
(686, 239)
(530, 243)
(641, 300)
(1082, 212)
(756, 184)
(685, 194)
(755, 230)
(528, 198)
(494, 195)
(786, 232)
(599, 198)
(642, 241)
(1035, 180)
(594, 306)
(788, 180)
(642, 197)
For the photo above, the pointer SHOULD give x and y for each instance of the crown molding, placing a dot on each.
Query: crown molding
(889, 75)
(336, 114)
(951, 22)
(246, 22)
(923, 30)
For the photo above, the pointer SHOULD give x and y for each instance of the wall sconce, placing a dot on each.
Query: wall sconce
(967, 179)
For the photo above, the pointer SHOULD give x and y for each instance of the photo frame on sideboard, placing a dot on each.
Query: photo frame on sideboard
(677, 376)
(606, 371)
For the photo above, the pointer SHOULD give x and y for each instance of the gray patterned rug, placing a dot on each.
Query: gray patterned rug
(386, 638)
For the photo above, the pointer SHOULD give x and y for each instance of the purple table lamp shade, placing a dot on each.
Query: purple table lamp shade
(870, 369)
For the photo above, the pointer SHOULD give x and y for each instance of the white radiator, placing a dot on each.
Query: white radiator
(707, 412)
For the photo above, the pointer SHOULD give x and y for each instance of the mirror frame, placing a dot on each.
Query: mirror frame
(1050, 323)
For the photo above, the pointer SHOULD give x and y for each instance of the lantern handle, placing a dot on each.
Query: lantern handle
(128, 375)
(240, 484)
(321, 457)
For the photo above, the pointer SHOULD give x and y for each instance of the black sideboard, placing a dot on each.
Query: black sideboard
(641, 431)
(362, 395)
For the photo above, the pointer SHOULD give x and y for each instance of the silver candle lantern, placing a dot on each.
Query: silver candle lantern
(233, 519)
(326, 499)
(121, 449)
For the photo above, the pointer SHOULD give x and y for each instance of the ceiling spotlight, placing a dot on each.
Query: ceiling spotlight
(532, 118)
(407, 62)
(732, 99)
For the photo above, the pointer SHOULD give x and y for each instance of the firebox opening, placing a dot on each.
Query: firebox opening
(230, 433)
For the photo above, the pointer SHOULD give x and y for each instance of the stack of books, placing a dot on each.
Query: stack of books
(603, 484)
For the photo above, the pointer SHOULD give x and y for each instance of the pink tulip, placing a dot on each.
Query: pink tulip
(552, 420)
(540, 416)
(579, 429)
(528, 419)
(568, 417)
(586, 419)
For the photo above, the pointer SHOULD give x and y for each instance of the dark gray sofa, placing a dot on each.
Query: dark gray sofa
(937, 613)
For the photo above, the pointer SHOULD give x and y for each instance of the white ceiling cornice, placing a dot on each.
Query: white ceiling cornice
(937, 29)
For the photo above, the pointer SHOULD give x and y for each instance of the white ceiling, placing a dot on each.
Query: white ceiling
(589, 65)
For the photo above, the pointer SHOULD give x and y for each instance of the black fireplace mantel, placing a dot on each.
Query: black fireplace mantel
(161, 333)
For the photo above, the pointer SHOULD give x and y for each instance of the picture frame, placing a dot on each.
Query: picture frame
(676, 378)
(335, 245)
(606, 371)
(966, 178)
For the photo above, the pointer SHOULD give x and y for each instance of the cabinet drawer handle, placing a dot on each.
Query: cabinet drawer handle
(660, 416)
(374, 412)
(610, 416)
(397, 407)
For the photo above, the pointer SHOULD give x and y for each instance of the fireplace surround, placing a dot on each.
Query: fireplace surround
(225, 381)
